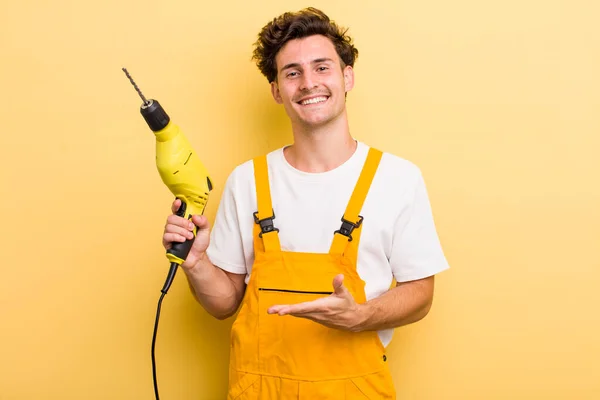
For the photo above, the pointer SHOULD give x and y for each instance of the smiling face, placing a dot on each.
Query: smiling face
(311, 82)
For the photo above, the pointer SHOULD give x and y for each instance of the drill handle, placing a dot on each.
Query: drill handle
(180, 250)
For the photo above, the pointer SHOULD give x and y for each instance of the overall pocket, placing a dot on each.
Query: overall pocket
(298, 347)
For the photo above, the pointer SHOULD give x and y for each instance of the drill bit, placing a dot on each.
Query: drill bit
(137, 89)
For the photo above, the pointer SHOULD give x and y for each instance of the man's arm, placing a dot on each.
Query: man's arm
(218, 291)
(405, 304)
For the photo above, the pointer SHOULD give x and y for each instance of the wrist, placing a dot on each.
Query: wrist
(198, 265)
(362, 316)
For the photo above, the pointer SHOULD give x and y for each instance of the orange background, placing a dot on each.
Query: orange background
(497, 102)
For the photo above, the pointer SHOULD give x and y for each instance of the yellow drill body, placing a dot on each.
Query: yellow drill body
(182, 172)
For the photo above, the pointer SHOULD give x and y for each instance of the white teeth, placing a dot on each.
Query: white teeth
(314, 100)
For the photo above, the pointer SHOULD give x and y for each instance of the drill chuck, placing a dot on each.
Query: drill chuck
(155, 116)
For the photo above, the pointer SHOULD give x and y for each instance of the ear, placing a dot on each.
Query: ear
(348, 78)
(275, 92)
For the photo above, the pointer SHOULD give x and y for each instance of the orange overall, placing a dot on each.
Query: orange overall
(285, 357)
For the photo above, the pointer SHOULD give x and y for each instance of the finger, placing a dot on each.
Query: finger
(175, 205)
(200, 221)
(277, 309)
(314, 306)
(338, 285)
(180, 221)
(169, 238)
(170, 228)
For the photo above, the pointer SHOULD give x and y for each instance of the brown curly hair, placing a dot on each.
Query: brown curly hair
(295, 25)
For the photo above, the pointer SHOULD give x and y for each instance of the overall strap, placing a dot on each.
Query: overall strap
(351, 220)
(264, 228)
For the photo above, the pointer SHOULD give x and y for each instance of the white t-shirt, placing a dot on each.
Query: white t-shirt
(398, 238)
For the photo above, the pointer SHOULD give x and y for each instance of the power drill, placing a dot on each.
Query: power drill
(180, 169)
(185, 176)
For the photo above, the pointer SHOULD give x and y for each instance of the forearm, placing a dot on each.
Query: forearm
(213, 289)
(402, 305)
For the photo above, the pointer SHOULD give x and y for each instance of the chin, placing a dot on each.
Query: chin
(315, 122)
(321, 120)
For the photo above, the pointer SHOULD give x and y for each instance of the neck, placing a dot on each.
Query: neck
(322, 148)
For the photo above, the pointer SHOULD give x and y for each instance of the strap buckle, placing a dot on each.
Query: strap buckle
(266, 224)
(348, 227)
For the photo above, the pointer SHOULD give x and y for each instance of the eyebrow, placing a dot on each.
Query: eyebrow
(316, 61)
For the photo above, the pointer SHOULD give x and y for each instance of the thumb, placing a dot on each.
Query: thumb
(338, 285)
(200, 221)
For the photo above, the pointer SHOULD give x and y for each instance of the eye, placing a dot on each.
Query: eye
(322, 68)
(292, 74)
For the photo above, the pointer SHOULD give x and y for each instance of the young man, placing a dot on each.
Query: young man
(308, 239)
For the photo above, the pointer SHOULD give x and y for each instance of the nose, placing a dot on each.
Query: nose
(308, 82)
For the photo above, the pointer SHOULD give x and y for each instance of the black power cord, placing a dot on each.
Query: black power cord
(164, 290)
(153, 345)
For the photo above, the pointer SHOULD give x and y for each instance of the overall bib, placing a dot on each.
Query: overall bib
(276, 357)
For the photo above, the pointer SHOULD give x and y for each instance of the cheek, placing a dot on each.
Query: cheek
(337, 84)
(288, 94)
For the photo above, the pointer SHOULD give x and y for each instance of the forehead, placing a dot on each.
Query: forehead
(303, 51)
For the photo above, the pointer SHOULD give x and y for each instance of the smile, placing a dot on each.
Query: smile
(314, 100)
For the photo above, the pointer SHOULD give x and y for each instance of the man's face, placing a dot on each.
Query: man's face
(311, 83)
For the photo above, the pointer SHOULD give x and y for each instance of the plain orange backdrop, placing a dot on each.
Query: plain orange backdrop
(497, 102)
